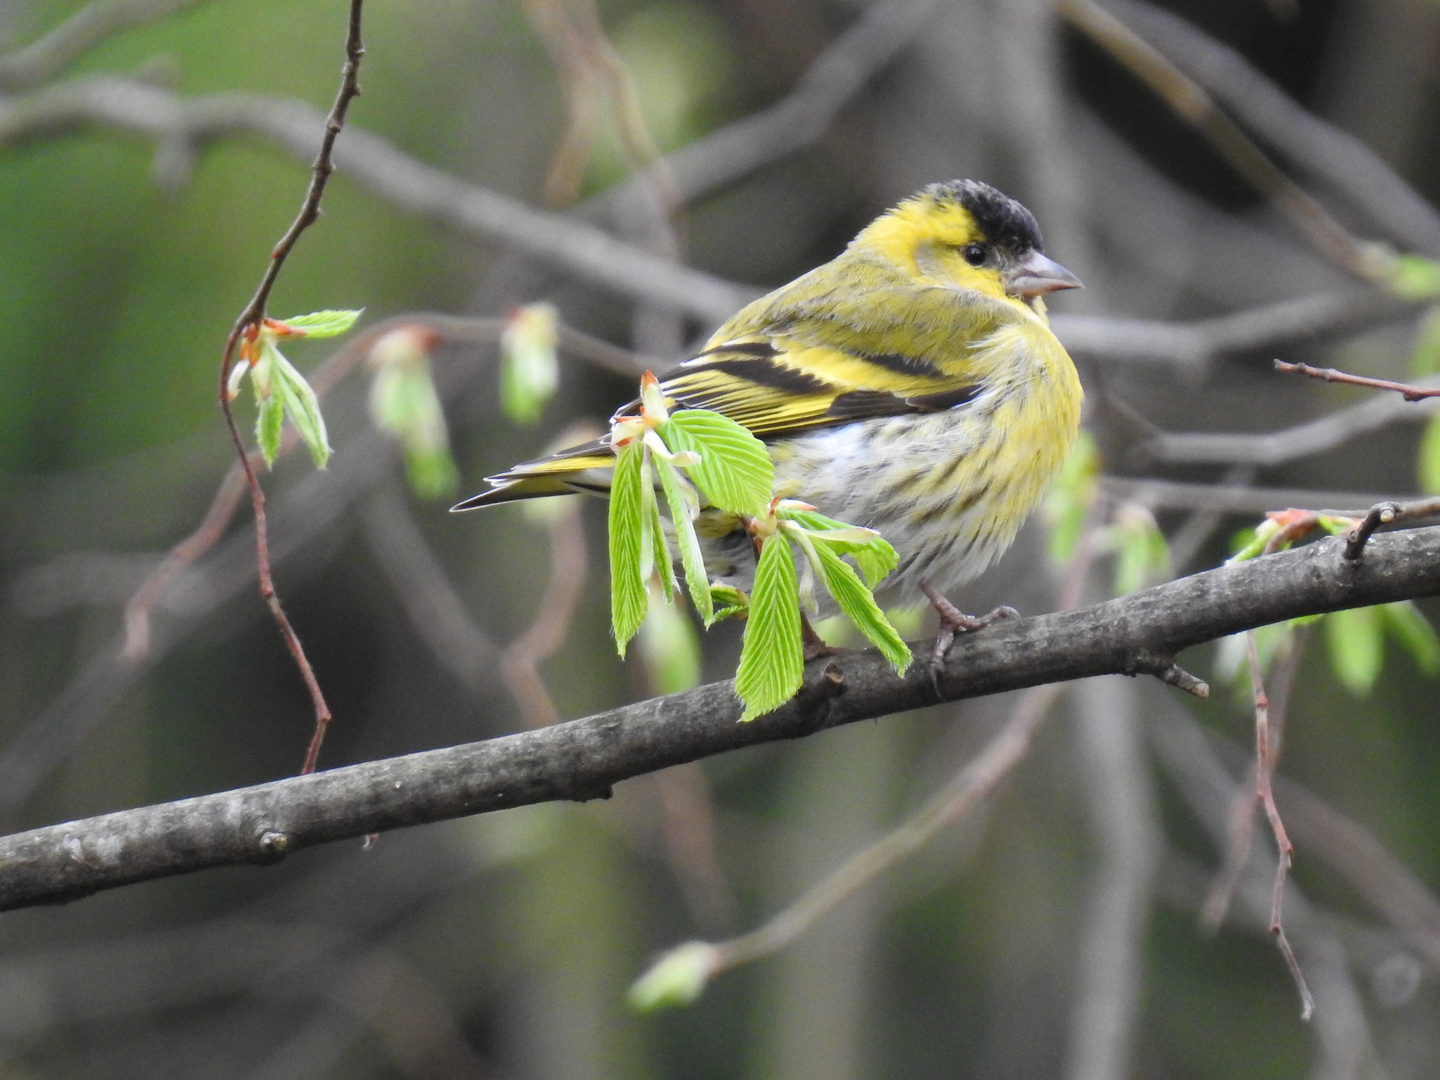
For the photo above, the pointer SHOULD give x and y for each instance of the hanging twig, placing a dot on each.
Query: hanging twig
(248, 324)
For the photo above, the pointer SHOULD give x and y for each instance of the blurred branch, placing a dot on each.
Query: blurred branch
(1190, 101)
(88, 27)
(1201, 340)
(521, 660)
(802, 116)
(1336, 155)
(180, 126)
(1302, 440)
(1126, 833)
(1235, 498)
(591, 70)
(1367, 865)
(582, 759)
(424, 591)
(966, 790)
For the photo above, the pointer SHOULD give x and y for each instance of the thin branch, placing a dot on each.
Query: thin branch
(1265, 750)
(81, 32)
(1236, 498)
(248, 325)
(1367, 260)
(212, 527)
(1408, 391)
(1367, 865)
(1241, 823)
(582, 759)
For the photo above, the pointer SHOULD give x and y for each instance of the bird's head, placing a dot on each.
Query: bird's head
(965, 233)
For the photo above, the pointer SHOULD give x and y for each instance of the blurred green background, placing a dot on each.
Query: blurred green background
(503, 946)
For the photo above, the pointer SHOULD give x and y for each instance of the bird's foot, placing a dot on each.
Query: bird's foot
(954, 621)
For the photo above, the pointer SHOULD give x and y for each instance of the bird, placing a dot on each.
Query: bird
(910, 385)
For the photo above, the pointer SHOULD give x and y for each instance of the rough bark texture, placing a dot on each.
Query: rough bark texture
(581, 759)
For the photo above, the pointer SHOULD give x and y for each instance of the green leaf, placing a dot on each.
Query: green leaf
(323, 324)
(1355, 638)
(692, 559)
(670, 648)
(1425, 353)
(772, 663)
(268, 423)
(303, 407)
(873, 554)
(1415, 278)
(855, 600)
(677, 978)
(628, 596)
(734, 472)
(1428, 466)
(1408, 626)
(654, 556)
(728, 601)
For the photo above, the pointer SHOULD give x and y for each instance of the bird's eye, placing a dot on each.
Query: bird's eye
(974, 254)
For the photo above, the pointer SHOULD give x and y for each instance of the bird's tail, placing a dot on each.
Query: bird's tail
(585, 468)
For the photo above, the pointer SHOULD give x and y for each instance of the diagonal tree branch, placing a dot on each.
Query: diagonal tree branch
(582, 759)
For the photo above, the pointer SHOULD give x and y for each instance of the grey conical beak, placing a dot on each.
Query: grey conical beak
(1038, 275)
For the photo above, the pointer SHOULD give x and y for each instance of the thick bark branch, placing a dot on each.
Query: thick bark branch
(581, 759)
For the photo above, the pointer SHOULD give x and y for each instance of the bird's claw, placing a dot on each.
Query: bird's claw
(954, 621)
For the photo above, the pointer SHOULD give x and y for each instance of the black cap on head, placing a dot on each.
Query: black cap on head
(1002, 220)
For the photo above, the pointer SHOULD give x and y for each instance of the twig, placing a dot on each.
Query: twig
(1264, 770)
(81, 32)
(248, 324)
(1407, 391)
(1368, 261)
(1240, 827)
(1367, 865)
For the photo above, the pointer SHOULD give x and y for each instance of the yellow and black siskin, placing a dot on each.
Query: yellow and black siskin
(910, 385)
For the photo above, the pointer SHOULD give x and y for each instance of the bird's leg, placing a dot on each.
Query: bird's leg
(954, 621)
(814, 645)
